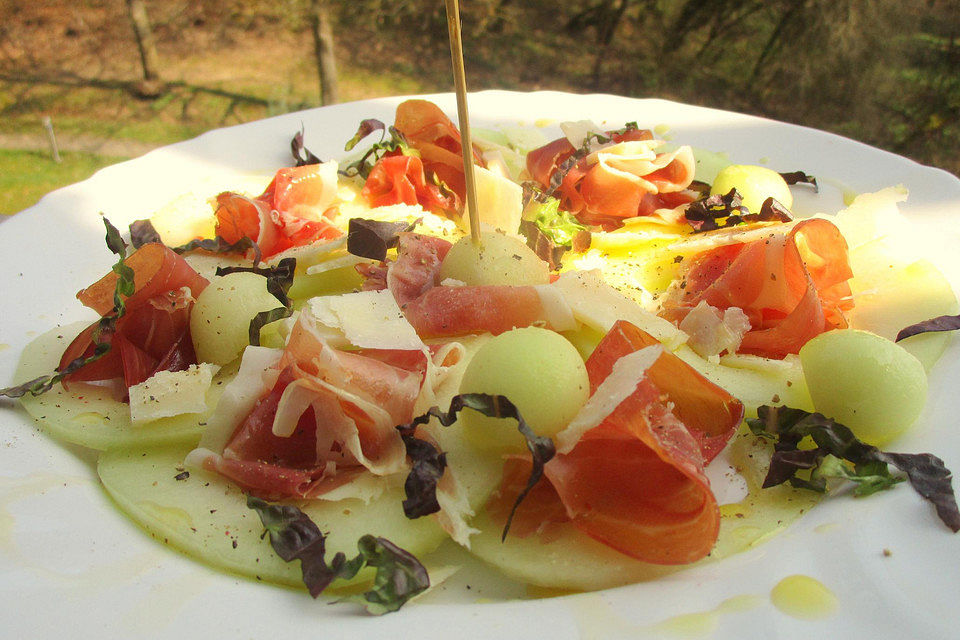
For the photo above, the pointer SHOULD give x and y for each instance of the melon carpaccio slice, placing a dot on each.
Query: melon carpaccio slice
(206, 516)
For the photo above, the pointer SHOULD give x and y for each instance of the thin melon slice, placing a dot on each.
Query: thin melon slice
(753, 380)
(90, 415)
(890, 295)
(206, 516)
(566, 559)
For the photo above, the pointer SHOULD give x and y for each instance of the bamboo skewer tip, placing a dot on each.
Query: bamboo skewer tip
(466, 143)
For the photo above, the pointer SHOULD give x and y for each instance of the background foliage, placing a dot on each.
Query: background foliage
(881, 71)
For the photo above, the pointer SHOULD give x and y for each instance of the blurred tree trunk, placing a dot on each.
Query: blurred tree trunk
(151, 86)
(323, 46)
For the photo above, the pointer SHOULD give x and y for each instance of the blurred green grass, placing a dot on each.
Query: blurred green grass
(25, 176)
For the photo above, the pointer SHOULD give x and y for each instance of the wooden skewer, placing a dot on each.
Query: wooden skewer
(460, 82)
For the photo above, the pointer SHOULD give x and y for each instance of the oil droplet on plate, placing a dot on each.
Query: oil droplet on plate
(173, 517)
(803, 597)
(89, 419)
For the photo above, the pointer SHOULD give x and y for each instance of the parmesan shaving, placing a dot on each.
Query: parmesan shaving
(556, 309)
(598, 305)
(713, 331)
(627, 373)
(578, 132)
(367, 319)
(171, 393)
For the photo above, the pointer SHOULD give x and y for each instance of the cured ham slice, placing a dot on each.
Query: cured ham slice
(636, 480)
(401, 179)
(153, 334)
(417, 267)
(455, 311)
(448, 311)
(427, 129)
(626, 179)
(791, 283)
(326, 417)
(293, 211)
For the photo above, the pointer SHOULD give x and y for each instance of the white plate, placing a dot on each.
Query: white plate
(71, 562)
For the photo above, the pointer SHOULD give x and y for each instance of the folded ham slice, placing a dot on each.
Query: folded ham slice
(293, 210)
(626, 179)
(447, 311)
(154, 333)
(427, 129)
(636, 481)
(791, 282)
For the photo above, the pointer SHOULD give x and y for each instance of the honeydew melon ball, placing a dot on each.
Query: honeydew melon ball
(755, 184)
(539, 371)
(498, 259)
(866, 382)
(220, 319)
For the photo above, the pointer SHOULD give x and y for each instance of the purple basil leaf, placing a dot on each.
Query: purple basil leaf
(221, 246)
(940, 323)
(931, 479)
(770, 211)
(142, 232)
(279, 280)
(704, 214)
(787, 427)
(799, 177)
(301, 155)
(372, 238)
(294, 536)
(279, 277)
(541, 448)
(366, 127)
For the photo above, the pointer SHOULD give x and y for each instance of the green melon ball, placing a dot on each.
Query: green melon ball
(755, 184)
(498, 259)
(220, 319)
(868, 383)
(536, 369)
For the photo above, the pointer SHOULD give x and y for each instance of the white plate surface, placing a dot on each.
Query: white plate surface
(69, 562)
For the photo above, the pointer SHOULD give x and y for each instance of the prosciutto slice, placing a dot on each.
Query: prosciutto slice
(427, 129)
(401, 179)
(293, 211)
(328, 416)
(791, 283)
(448, 311)
(636, 480)
(153, 334)
(627, 179)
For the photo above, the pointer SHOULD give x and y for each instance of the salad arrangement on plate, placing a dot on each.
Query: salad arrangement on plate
(336, 362)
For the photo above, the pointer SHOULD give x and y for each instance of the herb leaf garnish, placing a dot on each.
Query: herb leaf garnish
(294, 536)
(364, 165)
(836, 443)
(722, 211)
(799, 177)
(551, 232)
(143, 232)
(301, 155)
(429, 462)
(279, 280)
(372, 238)
(940, 323)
